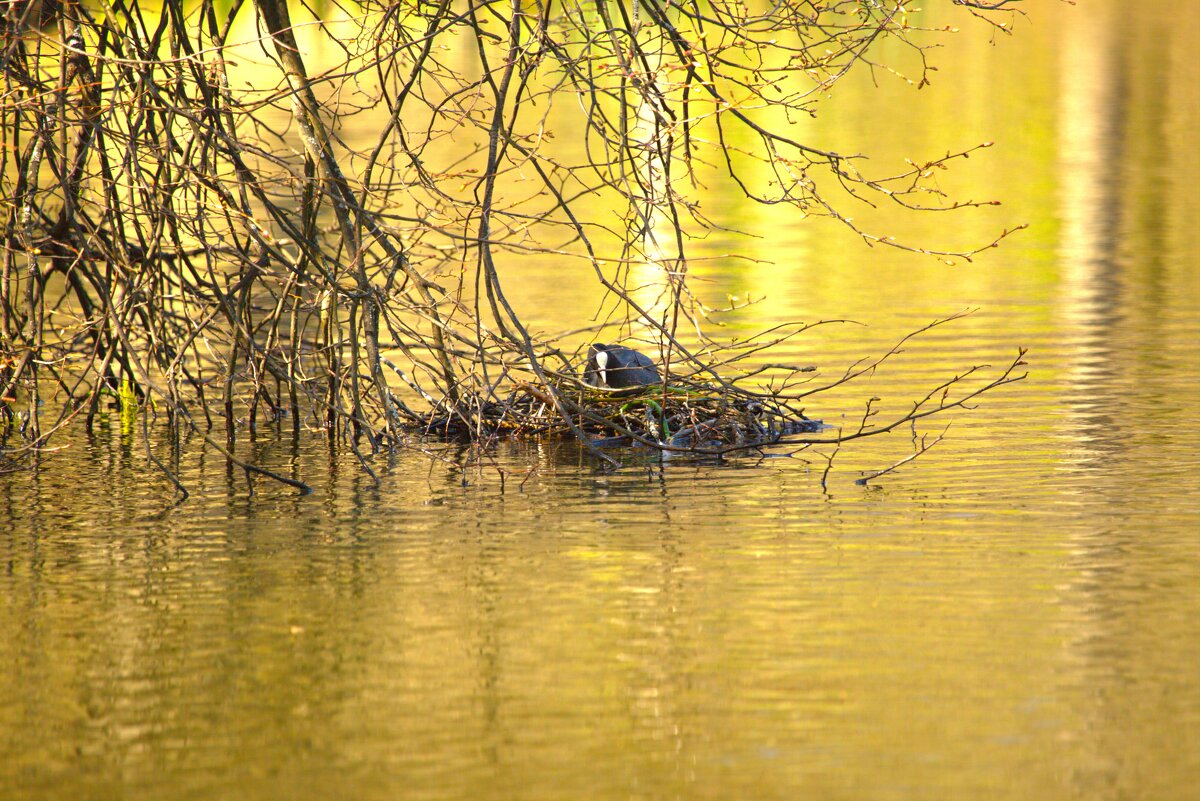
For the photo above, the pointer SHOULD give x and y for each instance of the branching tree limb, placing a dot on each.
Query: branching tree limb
(196, 208)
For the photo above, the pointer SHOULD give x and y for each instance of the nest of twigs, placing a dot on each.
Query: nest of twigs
(678, 417)
(702, 414)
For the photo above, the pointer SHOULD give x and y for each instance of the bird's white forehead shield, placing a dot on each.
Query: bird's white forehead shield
(602, 366)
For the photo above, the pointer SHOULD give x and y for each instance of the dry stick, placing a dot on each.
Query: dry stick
(772, 140)
(38, 446)
(829, 460)
(244, 337)
(10, 143)
(922, 448)
(355, 397)
(150, 453)
(309, 205)
(651, 97)
(152, 386)
(486, 268)
(272, 326)
(34, 316)
(67, 217)
(316, 140)
(395, 107)
(491, 277)
(917, 413)
(18, 369)
(854, 371)
(330, 334)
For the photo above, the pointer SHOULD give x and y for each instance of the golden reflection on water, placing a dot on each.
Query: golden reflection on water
(1012, 617)
(1089, 152)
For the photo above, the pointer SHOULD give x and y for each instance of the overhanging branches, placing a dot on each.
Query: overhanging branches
(240, 216)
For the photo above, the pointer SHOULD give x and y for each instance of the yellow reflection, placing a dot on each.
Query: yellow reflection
(1089, 160)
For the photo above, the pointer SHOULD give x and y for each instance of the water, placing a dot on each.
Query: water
(1011, 616)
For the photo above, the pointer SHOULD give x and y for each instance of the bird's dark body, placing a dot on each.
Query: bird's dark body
(619, 367)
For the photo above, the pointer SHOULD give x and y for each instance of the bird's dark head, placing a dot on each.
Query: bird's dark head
(619, 367)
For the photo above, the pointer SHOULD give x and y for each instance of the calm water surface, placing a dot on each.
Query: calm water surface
(1013, 616)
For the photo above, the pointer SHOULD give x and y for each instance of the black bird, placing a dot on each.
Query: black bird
(619, 367)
